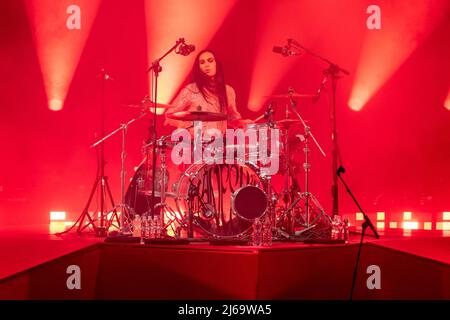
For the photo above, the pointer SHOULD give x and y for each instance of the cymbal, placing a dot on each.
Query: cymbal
(286, 122)
(147, 104)
(197, 116)
(294, 95)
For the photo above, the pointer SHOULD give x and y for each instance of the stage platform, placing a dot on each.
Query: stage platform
(34, 266)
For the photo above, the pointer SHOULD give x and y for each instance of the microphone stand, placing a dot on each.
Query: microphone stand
(366, 223)
(157, 69)
(333, 71)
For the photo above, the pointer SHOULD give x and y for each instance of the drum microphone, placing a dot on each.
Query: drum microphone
(340, 170)
(268, 112)
(290, 93)
(186, 49)
(319, 91)
(208, 211)
(284, 51)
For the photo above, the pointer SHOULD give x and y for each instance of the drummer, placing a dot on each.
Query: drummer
(208, 92)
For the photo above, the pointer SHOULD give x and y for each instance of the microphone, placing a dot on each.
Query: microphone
(340, 170)
(268, 112)
(290, 93)
(186, 49)
(322, 86)
(285, 51)
(301, 137)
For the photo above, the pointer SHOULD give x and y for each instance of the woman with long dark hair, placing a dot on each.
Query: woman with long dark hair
(208, 92)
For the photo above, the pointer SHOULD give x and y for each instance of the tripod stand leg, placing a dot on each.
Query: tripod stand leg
(114, 211)
(322, 211)
(85, 212)
(290, 208)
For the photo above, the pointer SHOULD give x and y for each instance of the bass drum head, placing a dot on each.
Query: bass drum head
(210, 188)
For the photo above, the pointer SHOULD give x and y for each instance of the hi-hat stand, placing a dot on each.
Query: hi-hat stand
(310, 201)
(166, 210)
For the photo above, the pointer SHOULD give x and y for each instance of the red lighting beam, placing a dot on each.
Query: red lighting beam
(60, 29)
(404, 25)
(447, 101)
(278, 21)
(168, 20)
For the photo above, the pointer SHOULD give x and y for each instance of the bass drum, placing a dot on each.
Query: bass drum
(139, 193)
(224, 198)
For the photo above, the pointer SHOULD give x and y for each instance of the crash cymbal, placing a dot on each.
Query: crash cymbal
(197, 116)
(286, 122)
(294, 95)
(148, 105)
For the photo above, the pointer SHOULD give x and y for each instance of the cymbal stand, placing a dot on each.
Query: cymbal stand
(286, 194)
(124, 223)
(308, 197)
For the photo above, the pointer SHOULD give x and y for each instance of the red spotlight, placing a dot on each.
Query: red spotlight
(168, 20)
(356, 103)
(278, 21)
(405, 25)
(60, 29)
(447, 101)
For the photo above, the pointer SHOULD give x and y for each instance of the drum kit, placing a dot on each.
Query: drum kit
(220, 201)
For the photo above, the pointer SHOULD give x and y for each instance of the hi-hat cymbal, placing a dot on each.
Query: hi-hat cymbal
(196, 116)
(294, 95)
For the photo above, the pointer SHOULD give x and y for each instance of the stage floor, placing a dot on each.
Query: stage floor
(34, 266)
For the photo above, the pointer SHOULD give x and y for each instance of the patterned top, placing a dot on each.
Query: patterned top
(191, 99)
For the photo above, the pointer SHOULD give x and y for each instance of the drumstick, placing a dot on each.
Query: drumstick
(259, 118)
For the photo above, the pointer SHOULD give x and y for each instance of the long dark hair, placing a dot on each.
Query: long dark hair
(216, 86)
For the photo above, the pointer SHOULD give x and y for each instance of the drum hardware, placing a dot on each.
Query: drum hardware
(142, 187)
(163, 205)
(307, 221)
(125, 211)
(187, 223)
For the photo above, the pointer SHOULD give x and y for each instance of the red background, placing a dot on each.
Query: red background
(395, 150)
